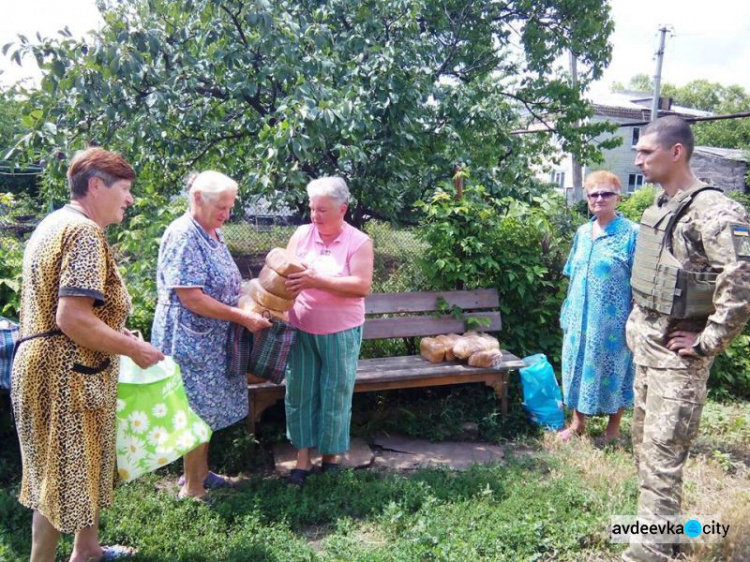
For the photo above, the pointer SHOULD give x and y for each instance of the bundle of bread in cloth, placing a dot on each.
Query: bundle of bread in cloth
(481, 350)
(267, 294)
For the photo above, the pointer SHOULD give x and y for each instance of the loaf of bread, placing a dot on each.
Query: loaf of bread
(484, 358)
(266, 299)
(448, 341)
(432, 350)
(284, 262)
(274, 283)
(466, 347)
(492, 342)
(473, 342)
(247, 303)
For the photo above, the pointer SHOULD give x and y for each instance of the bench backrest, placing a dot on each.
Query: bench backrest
(411, 314)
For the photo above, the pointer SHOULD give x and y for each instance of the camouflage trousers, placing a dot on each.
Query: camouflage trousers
(666, 417)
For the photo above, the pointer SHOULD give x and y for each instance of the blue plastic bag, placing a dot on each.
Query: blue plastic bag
(542, 397)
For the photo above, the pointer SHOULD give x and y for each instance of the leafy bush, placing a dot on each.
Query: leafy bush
(632, 206)
(10, 275)
(136, 244)
(518, 248)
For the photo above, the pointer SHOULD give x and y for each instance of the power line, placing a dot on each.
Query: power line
(742, 115)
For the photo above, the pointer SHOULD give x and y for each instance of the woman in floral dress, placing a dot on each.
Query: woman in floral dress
(597, 366)
(198, 287)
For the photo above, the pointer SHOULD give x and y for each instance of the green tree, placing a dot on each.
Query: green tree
(389, 93)
(641, 83)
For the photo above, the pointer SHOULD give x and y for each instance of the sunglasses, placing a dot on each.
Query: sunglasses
(602, 194)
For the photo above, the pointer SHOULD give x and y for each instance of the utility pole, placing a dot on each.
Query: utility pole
(575, 165)
(657, 77)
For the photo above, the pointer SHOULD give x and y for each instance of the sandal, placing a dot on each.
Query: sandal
(298, 476)
(117, 552)
(205, 499)
(213, 480)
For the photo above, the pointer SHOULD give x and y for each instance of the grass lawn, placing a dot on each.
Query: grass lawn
(547, 501)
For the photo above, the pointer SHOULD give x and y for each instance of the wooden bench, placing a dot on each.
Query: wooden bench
(410, 315)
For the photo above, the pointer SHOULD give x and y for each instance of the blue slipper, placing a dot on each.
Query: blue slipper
(213, 480)
(117, 552)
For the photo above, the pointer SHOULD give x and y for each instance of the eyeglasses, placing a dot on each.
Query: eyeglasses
(602, 194)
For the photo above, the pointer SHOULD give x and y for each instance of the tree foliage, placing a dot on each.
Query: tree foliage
(389, 93)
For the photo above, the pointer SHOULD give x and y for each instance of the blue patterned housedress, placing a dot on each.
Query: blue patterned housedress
(188, 258)
(597, 365)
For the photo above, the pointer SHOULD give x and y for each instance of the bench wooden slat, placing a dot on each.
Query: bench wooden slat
(426, 301)
(412, 367)
(410, 326)
(507, 361)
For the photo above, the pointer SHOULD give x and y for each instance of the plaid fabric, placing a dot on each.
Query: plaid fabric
(8, 336)
(239, 344)
(271, 351)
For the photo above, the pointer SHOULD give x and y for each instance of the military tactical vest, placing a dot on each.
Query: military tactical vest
(659, 282)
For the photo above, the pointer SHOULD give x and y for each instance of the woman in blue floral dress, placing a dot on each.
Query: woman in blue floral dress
(597, 365)
(198, 287)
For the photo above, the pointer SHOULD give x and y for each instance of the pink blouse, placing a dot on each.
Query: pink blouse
(320, 312)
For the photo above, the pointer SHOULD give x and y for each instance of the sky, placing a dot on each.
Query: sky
(707, 40)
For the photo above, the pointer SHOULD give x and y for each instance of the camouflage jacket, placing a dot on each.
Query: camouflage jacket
(713, 234)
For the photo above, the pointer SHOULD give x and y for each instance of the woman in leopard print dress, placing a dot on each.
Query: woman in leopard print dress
(64, 384)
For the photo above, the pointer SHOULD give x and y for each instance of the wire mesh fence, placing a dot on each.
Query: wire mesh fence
(396, 249)
(397, 264)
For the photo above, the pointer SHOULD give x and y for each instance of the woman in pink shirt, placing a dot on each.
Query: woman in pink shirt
(329, 312)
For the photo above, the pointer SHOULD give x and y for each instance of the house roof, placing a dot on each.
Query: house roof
(728, 153)
(627, 104)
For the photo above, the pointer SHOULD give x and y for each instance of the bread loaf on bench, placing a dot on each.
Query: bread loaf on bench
(432, 350)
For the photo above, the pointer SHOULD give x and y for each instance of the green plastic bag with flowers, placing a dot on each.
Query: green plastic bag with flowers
(155, 424)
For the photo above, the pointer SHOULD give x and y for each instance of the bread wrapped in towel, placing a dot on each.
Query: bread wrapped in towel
(283, 262)
(432, 350)
(485, 358)
(266, 299)
(274, 283)
(448, 340)
(247, 303)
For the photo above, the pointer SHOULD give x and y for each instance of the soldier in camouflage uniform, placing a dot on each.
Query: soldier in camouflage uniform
(692, 297)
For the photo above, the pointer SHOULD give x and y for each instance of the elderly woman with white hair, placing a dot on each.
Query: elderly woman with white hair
(329, 312)
(198, 287)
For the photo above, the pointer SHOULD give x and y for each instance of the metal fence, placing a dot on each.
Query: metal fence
(397, 250)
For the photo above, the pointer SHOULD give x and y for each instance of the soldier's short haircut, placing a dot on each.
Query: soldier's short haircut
(669, 131)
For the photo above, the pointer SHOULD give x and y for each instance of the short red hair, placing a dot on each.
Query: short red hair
(96, 162)
(602, 177)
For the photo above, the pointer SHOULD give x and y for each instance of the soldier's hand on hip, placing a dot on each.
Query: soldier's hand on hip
(682, 342)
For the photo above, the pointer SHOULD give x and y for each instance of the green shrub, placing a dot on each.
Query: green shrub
(10, 275)
(518, 248)
(136, 243)
(632, 206)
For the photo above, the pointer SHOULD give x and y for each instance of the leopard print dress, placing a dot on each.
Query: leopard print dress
(64, 396)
